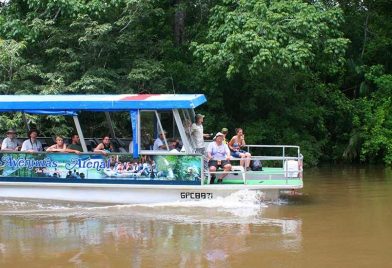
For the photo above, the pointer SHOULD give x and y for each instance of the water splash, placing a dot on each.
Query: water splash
(241, 204)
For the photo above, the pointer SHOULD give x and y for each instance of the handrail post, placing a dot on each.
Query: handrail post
(161, 130)
(283, 155)
(80, 133)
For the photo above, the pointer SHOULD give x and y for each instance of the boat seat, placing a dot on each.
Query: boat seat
(241, 170)
(90, 144)
(122, 150)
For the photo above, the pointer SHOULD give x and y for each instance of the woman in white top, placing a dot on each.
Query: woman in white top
(32, 144)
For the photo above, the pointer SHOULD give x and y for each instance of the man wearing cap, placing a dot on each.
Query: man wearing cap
(218, 155)
(10, 143)
(224, 132)
(198, 135)
(159, 142)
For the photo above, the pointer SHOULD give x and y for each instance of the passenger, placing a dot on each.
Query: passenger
(218, 155)
(105, 146)
(32, 144)
(175, 145)
(59, 146)
(198, 134)
(224, 132)
(235, 145)
(10, 143)
(159, 144)
(146, 139)
(75, 146)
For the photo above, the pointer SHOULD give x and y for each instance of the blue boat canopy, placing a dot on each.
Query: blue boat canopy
(74, 103)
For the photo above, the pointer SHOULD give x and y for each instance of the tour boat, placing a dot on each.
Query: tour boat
(135, 174)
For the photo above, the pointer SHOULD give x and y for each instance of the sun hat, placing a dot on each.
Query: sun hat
(218, 134)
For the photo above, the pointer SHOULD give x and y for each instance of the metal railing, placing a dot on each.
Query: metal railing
(284, 155)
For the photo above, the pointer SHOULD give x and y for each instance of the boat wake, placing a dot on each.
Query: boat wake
(242, 204)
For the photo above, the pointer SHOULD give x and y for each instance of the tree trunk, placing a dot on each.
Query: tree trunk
(179, 22)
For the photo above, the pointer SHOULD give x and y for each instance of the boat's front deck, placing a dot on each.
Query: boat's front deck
(268, 177)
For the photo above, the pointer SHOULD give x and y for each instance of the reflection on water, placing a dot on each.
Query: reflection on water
(342, 219)
(192, 234)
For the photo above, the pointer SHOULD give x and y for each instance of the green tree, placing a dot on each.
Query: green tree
(277, 58)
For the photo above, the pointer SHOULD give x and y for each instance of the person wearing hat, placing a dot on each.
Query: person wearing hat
(10, 143)
(218, 156)
(159, 142)
(32, 144)
(198, 134)
(224, 132)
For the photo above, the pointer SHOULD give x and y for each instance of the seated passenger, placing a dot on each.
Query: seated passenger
(235, 145)
(10, 143)
(59, 146)
(75, 146)
(218, 155)
(32, 144)
(146, 140)
(175, 145)
(224, 132)
(105, 146)
(159, 144)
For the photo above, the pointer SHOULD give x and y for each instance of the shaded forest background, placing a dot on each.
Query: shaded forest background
(312, 73)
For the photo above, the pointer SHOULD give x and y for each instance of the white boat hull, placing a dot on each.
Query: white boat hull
(130, 194)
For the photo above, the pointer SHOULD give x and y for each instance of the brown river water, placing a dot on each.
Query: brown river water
(342, 219)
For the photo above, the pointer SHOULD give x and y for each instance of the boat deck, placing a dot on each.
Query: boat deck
(267, 177)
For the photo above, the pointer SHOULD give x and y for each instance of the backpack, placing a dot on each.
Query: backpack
(256, 165)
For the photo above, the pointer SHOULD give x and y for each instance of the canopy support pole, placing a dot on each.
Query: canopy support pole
(135, 124)
(110, 124)
(180, 126)
(80, 133)
(161, 130)
(25, 122)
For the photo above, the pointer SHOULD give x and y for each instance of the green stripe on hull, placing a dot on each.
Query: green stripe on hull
(285, 182)
(268, 176)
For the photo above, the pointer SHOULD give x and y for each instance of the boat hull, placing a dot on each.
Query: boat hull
(131, 194)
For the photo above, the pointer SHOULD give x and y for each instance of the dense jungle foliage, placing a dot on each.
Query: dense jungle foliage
(313, 73)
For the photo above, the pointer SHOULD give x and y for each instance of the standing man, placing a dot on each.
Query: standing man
(198, 135)
(10, 143)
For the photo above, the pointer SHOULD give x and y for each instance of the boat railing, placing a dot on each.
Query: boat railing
(283, 162)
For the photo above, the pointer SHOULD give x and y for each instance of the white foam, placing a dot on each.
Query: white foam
(242, 204)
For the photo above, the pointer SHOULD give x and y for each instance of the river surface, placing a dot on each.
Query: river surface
(342, 219)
